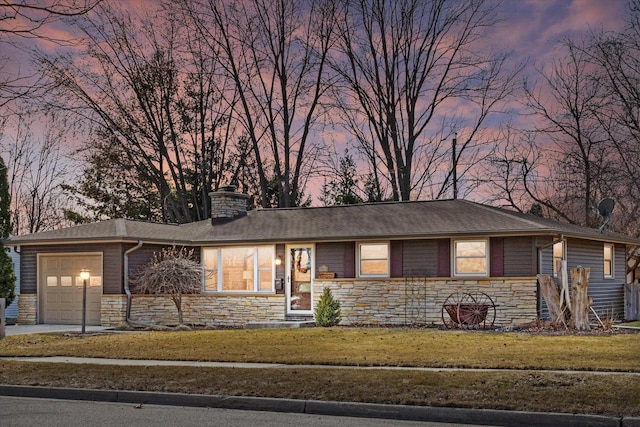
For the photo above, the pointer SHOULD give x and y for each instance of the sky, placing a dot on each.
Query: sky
(530, 29)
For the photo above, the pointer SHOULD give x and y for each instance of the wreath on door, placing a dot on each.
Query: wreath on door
(298, 262)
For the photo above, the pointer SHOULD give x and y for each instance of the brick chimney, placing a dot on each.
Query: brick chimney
(227, 205)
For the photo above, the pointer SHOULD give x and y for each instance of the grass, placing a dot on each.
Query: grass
(349, 346)
(581, 392)
(572, 393)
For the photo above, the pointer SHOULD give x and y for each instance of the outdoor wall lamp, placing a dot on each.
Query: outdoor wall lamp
(278, 260)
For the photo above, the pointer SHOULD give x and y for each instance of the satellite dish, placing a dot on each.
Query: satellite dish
(605, 208)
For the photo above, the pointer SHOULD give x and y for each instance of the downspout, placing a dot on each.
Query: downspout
(540, 248)
(126, 278)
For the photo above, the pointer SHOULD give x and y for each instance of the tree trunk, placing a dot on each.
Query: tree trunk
(563, 275)
(552, 298)
(579, 298)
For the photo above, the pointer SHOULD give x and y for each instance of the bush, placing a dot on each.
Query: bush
(327, 312)
(7, 278)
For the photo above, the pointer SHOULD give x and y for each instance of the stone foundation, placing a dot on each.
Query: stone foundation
(362, 301)
(419, 301)
(113, 310)
(209, 309)
(28, 309)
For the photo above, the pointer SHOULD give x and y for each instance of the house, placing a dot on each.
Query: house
(387, 263)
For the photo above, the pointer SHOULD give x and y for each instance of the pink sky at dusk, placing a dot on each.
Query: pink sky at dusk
(529, 28)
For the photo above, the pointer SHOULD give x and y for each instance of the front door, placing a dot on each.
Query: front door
(299, 279)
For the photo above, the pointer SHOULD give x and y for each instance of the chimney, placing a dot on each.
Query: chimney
(227, 205)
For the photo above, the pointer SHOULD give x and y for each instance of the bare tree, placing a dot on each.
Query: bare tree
(172, 271)
(403, 64)
(36, 167)
(26, 20)
(276, 54)
(148, 89)
(565, 109)
(617, 58)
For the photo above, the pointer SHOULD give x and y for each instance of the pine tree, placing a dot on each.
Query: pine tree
(7, 277)
(327, 312)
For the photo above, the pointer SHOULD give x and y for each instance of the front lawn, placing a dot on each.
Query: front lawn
(527, 390)
(350, 346)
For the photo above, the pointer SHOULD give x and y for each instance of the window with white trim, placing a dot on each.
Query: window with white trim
(608, 260)
(471, 257)
(558, 255)
(373, 259)
(238, 269)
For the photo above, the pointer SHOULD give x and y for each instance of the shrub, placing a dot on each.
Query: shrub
(327, 312)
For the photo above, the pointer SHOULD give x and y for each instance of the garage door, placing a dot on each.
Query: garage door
(61, 288)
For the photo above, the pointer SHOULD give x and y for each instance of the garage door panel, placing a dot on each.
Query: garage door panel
(61, 287)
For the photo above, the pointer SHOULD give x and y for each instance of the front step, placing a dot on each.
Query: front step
(280, 324)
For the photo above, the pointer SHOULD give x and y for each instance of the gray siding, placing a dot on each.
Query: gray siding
(112, 264)
(519, 257)
(607, 294)
(420, 258)
(141, 257)
(331, 255)
(546, 256)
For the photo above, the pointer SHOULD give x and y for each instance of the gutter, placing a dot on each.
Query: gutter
(126, 278)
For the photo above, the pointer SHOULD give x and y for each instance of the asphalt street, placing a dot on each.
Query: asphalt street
(27, 412)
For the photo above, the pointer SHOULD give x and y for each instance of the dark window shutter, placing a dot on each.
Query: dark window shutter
(350, 259)
(396, 258)
(497, 257)
(444, 258)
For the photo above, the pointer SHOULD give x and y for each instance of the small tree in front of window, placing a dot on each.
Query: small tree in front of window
(172, 272)
(327, 312)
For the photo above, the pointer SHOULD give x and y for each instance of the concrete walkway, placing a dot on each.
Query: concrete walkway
(245, 365)
(44, 329)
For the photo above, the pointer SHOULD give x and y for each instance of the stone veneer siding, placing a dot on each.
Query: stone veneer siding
(209, 309)
(370, 301)
(419, 301)
(113, 310)
(28, 309)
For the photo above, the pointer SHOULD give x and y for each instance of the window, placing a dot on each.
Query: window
(608, 261)
(470, 257)
(558, 255)
(374, 260)
(238, 269)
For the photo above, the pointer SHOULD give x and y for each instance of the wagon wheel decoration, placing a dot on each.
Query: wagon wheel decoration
(473, 310)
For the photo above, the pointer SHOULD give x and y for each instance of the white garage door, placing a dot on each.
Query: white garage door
(61, 288)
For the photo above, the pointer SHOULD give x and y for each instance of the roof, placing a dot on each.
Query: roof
(391, 220)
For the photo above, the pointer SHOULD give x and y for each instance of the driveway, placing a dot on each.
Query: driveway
(43, 329)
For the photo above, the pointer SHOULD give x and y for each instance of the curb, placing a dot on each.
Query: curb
(348, 409)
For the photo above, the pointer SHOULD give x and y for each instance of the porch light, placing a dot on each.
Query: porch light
(278, 260)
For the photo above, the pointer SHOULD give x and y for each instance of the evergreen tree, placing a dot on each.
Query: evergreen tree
(327, 312)
(7, 277)
(343, 188)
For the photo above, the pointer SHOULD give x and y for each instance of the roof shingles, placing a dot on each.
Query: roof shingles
(366, 221)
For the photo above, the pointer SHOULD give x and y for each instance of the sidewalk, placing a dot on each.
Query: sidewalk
(246, 365)
(44, 329)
